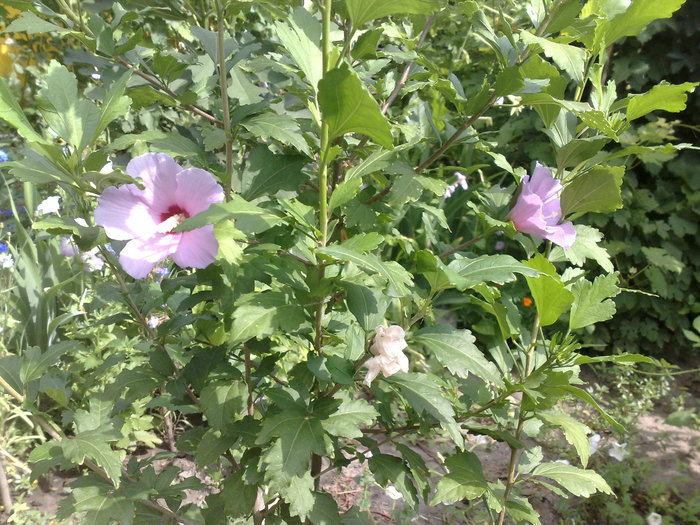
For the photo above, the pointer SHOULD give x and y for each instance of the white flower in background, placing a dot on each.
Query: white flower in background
(482, 440)
(387, 348)
(68, 248)
(93, 261)
(618, 451)
(460, 183)
(562, 461)
(593, 443)
(49, 205)
(393, 493)
(517, 108)
(655, 519)
(6, 260)
(107, 168)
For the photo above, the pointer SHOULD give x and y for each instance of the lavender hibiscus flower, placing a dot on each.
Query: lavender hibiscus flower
(147, 217)
(537, 210)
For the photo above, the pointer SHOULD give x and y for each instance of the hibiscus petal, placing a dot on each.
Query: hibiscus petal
(373, 367)
(197, 249)
(543, 184)
(527, 215)
(197, 190)
(563, 234)
(124, 214)
(139, 256)
(158, 172)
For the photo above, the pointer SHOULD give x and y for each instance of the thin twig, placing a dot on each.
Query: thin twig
(5, 495)
(159, 85)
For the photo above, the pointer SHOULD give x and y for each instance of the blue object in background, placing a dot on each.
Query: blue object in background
(3, 247)
(4, 157)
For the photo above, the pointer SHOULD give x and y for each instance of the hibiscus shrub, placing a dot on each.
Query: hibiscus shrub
(292, 277)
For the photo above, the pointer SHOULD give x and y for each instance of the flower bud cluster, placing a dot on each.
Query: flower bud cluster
(387, 348)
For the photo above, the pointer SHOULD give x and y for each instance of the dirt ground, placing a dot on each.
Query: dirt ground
(674, 450)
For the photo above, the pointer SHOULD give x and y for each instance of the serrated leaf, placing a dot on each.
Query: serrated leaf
(499, 269)
(595, 191)
(282, 128)
(258, 315)
(575, 432)
(552, 299)
(399, 279)
(592, 303)
(344, 192)
(267, 173)
(363, 11)
(35, 362)
(634, 19)
(661, 258)
(586, 246)
(388, 469)
(579, 482)
(301, 35)
(366, 304)
(249, 217)
(570, 58)
(223, 402)
(348, 107)
(346, 421)
(424, 396)
(299, 434)
(93, 445)
(465, 479)
(663, 96)
(456, 350)
(11, 112)
(115, 104)
(579, 150)
(28, 22)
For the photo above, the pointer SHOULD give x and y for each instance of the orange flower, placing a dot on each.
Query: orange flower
(527, 301)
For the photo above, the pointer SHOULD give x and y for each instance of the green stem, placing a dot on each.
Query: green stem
(223, 87)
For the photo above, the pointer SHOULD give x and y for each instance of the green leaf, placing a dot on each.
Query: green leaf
(587, 398)
(348, 107)
(344, 192)
(571, 59)
(456, 350)
(388, 469)
(325, 510)
(575, 432)
(249, 218)
(577, 151)
(661, 258)
(509, 81)
(664, 96)
(282, 128)
(71, 118)
(363, 11)
(346, 421)
(499, 269)
(424, 396)
(29, 23)
(465, 479)
(266, 173)
(398, 278)
(223, 402)
(115, 104)
(259, 314)
(100, 507)
(366, 304)
(35, 362)
(301, 35)
(11, 112)
(586, 246)
(551, 297)
(242, 88)
(592, 304)
(579, 482)
(597, 190)
(93, 444)
(299, 433)
(633, 21)
(366, 45)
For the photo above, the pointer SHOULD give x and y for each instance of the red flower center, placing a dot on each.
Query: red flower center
(172, 211)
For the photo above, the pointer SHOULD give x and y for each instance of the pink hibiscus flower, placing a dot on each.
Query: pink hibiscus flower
(146, 217)
(537, 210)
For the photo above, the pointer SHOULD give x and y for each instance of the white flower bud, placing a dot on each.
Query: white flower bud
(387, 347)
